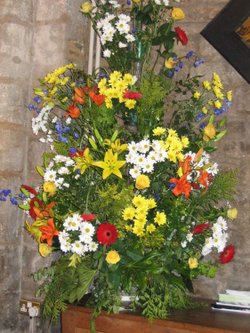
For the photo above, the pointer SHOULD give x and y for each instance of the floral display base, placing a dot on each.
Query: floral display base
(76, 319)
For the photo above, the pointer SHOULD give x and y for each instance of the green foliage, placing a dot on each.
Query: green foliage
(151, 107)
(62, 284)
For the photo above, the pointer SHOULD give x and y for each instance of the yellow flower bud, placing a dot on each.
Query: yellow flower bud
(177, 14)
(209, 132)
(193, 263)
(232, 213)
(142, 182)
(112, 257)
(86, 7)
(50, 188)
(44, 249)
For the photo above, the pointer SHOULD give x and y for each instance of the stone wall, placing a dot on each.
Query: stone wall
(36, 37)
(40, 35)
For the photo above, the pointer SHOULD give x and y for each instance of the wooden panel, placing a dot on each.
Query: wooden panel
(77, 319)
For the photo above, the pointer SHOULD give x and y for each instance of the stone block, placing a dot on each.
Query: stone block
(19, 10)
(9, 263)
(16, 42)
(12, 149)
(9, 322)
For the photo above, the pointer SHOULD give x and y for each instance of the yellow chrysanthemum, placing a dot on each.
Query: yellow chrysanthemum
(130, 103)
(139, 200)
(160, 218)
(138, 230)
(158, 131)
(151, 203)
(151, 228)
(128, 213)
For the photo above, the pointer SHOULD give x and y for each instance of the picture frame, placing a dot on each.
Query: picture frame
(229, 33)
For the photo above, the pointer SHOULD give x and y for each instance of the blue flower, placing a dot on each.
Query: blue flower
(13, 201)
(37, 99)
(189, 54)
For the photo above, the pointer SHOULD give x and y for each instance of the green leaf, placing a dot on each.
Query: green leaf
(25, 192)
(24, 207)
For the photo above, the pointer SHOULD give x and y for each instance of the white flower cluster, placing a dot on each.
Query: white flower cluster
(162, 2)
(118, 26)
(218, 239)
(202, 163)
(58, 167)
(40, 123)
(144, 155)
(77, 236)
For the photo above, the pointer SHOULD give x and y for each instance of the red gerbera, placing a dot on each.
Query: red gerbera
(227, 254)
(106, 234)
(88, 217)
(181, 35)
(199, 228)
(132, 95)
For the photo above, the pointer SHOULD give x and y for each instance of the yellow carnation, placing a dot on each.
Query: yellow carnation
(197, 95)
(232, 213)
(44, 249)
(86, 7)
(50, 188)
(229, 95)
(209, 132)
(142, 182)
(113, 257)
(193, 263)
(177, 14)
(130, 103)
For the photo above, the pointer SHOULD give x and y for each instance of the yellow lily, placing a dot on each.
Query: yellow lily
(83, 162)
(116, 145)
(110, 165)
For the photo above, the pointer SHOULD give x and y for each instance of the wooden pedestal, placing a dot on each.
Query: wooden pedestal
(76, 320)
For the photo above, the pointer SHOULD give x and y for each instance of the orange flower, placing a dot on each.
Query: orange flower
(203, 178)
(74, 111)
(182, 186)
(49, 231)
(43, 212)
(97, 99)
(185, 165)
(79, 96)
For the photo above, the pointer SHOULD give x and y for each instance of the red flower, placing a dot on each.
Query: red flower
(106, 234)
(35, 203)
(29, 189)
(227, 254)
(74, 111)
(199, 228)
(181, 35)
(88, 217)
(132, 95)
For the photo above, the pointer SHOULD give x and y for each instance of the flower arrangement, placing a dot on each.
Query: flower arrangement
(130, 198)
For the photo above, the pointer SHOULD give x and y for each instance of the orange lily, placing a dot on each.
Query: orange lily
(79, 96)
(182, 186)
(47, 211)
(49, 231)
